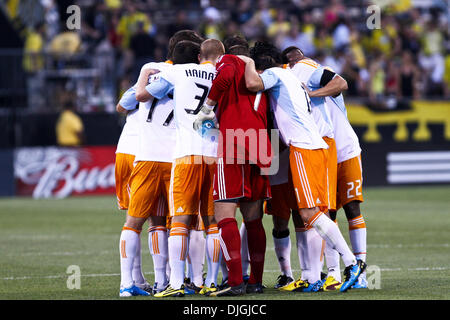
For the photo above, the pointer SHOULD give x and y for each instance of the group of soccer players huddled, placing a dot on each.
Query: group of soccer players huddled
(221, 126)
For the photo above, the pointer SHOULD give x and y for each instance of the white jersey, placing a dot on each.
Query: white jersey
(128, 140)
(347, 142)
(304, 70)
(292, 110)
(156, 125)
(190, 84)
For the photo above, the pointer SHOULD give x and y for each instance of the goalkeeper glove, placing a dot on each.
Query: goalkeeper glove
(205, 113)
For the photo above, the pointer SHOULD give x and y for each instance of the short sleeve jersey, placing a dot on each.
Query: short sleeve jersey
(190, 84)
(129, 137)
(292, 110)
(310, 73)
(241, 112)
(156, 125)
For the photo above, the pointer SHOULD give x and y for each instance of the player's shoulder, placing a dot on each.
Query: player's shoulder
(306, 64)
(157, 65)
(228, 60)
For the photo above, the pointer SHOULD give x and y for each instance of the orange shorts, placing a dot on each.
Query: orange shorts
(309, 177)
(122, 171)
(331, 172)
(282, 202)
(149, 187)
(349, 181)
(191, 187)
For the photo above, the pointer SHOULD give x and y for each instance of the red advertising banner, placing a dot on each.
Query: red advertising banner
(57, 172)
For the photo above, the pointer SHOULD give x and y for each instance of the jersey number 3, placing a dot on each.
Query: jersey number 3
(201, 99)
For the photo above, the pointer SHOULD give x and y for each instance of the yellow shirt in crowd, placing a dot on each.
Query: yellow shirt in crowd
(68, 128)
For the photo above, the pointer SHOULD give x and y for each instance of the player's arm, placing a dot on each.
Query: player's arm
(331, 84)
(160, 86)
(220, 85)
(128, 101)
(142, 95)
(253, 81)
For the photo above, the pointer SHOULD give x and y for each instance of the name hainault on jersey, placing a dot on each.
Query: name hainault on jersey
(156, 125)
(190, 84)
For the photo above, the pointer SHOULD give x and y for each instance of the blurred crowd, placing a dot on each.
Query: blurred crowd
(407, 57)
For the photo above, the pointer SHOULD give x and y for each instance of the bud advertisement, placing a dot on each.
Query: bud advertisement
(56, 172)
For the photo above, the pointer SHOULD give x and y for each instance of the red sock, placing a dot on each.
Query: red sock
(231, 248)
(256, 237)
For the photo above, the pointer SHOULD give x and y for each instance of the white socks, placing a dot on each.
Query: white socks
(213, 254)
(158, 246)
(282, 244)
(310, 246)
(196, 256)
(178, 250)
(245, 256)
(330, 232)
(128, 244)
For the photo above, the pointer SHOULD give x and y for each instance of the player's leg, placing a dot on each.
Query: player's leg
(350, 196)
(227, 190)
(244, 252)
(332, 256)
(130, 252)
(309, 178)
(122, 170)
(309, 248)
(282, 246)
(158, 246)
(184, 198)
(252, 213)
(128, 245)
(196, 256)
(279, 208)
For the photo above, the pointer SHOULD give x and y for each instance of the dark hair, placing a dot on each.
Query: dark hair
(181, 35)
(264, 62)
(237, 45)
(266, 55)
(186, 51)
(287, 50)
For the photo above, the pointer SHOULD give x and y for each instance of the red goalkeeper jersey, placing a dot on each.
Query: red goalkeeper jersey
(242, 115)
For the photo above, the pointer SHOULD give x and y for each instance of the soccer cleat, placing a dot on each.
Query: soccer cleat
(206, 291)
(254, 288)
(230, 291)
(171, 292)
(132, 291)
(145, 286)
(331, 284)
(314, 287)
(296, 286)
(282, 281)
(157, 289)
(223, 285)
(191, 286)
(245, 278)
(361, 283)
(352, 274)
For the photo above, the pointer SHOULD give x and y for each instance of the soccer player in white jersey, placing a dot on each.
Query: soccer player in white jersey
(191, 184)
(308, 151)
(150, 178)
(327, 85)
(125, 155)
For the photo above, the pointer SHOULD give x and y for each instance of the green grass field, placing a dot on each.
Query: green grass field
(408, 239)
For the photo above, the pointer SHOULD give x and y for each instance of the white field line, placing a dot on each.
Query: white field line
(95, 275)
